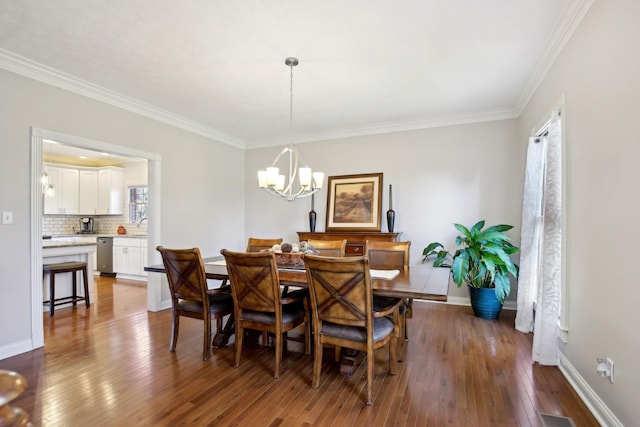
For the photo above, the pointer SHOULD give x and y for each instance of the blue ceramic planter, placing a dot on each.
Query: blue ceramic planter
(484, 303)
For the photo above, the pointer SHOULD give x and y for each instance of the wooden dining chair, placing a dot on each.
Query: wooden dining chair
(387, 255)
(257, 245)
(258, 304)
(328, 247)
(390, 256)
(190, 296)
(343, 315)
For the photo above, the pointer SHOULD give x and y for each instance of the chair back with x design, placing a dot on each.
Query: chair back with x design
(341, 294)
(255, 286)
(255, 282)
(342, 306)
(189, 294)
(185, 274)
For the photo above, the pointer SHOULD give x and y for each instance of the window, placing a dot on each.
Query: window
(138, 202)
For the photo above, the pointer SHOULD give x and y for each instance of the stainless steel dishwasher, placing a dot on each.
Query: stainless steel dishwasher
(105, 256)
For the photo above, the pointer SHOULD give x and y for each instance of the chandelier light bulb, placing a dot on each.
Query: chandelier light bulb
(262, 179)
(305, 177)
(318, 180)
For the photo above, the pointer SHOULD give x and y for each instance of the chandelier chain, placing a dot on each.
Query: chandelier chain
(291, 65)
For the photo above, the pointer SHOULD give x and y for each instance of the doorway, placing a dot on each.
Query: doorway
(154, 293)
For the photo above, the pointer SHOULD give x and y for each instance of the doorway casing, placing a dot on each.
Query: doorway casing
(154, 284)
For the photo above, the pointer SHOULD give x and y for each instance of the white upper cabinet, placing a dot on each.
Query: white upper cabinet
(65, 182)
(85, 191)
(88, 191)
(110, 191)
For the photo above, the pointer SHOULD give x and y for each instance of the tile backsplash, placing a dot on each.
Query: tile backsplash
(62, 225)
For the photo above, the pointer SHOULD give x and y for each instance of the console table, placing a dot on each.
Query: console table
(355, 239)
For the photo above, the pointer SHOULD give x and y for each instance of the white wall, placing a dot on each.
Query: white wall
(202, 183)
(135, 173)
(439, 176)
(599, 72)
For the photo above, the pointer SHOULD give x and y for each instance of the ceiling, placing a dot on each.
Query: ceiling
(56, 152)
(217, 67)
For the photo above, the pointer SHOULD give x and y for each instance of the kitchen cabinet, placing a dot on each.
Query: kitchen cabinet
(88, 193)
(101, 191)
(129, 256)
(65, 183)
(85, 191)
(110, 191)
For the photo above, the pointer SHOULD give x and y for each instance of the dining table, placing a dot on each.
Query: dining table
(421, 282)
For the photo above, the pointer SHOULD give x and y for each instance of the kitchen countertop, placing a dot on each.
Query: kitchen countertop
(65, 241)
(63, 244)
(66, 236)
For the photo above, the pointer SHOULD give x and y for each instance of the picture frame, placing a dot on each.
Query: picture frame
(354, 202)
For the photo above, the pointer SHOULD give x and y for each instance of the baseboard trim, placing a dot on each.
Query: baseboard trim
(15, 348)
(597, 407)
(508, 305)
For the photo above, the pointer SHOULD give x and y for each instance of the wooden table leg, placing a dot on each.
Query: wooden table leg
(221, 339)
(350, 361)
(402, 348)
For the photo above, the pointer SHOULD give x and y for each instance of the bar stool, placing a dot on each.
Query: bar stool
(66, 267)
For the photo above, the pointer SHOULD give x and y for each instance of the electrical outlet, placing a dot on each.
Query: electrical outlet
(610, 369)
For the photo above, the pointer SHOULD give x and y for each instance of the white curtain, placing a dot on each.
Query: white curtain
(531, 232)
(541, 237)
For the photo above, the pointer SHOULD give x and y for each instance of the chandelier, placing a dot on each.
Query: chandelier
(280, 185)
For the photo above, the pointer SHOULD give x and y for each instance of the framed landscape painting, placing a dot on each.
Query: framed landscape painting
(354, 202)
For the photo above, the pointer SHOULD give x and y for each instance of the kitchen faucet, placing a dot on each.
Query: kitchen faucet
(140, 222)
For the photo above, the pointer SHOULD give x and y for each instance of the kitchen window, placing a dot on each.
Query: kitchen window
(138, 203)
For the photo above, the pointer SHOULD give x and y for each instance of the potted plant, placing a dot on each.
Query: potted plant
(482, 262)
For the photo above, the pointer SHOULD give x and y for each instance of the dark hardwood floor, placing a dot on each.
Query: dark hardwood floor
(111, 365)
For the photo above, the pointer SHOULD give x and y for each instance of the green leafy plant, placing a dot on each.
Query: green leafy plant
(482, 259)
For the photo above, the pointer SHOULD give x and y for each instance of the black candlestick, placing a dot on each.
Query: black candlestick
(312, 221)
(391, 219)
(391, 214)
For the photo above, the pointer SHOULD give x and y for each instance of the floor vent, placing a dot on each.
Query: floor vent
(549, 420)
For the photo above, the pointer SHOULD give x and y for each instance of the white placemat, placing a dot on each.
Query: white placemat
(384, 274)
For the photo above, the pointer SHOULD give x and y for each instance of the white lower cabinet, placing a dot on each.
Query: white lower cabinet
(129, 256)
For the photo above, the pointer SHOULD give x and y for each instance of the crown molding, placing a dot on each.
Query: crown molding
(45, 74)
(568, 22)
(42, 73)
(570, 18)
(397, 126)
